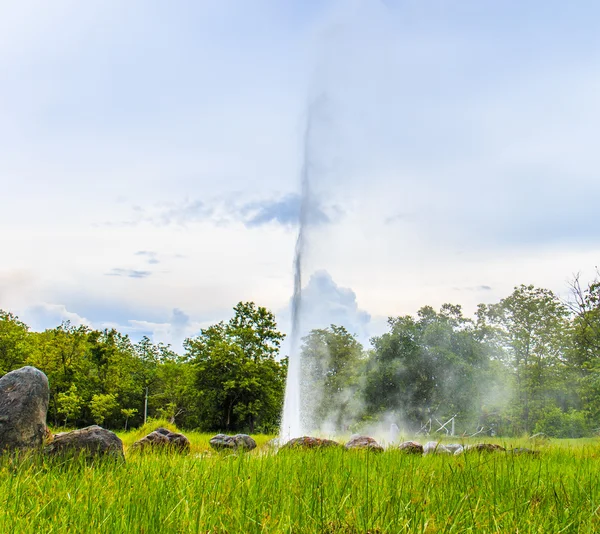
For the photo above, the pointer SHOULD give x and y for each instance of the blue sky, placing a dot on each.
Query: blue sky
(150, 156)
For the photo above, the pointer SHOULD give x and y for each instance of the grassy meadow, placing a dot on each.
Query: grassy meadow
(307, 491)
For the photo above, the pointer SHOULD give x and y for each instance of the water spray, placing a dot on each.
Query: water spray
(291, 425)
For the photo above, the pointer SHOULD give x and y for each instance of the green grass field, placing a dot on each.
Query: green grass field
(307, 491)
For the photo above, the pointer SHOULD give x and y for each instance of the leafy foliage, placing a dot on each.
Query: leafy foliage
(239, 381)
(332, 364)
(429, 366)
(528, 363)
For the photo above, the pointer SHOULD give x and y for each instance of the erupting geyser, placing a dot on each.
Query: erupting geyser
(291, 426)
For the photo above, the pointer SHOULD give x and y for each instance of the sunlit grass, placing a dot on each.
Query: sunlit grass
(308, 491)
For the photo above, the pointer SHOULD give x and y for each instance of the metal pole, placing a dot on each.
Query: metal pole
(146, 405)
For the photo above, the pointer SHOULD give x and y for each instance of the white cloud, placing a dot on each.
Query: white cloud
(46, 315)
(323, 303)
(172, 332)
(458, 143)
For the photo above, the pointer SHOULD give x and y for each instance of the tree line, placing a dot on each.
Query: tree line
(529, 363)
(229, 377)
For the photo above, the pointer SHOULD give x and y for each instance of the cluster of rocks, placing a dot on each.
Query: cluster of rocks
(409, 447)
(435, 447)
(456, 449)
(355, 443)
(24, 396)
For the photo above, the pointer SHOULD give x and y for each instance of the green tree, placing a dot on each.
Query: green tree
(584, 358)
(585, 306)
(103, 406)
(118, 368)
(69, 404)
(332, 361)
(128, 413)
(173, 392)
(62, 353)
(14, 342)
(532, 325)
(239, 381)
(427, 367)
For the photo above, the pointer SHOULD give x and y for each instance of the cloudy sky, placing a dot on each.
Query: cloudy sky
(151, 154)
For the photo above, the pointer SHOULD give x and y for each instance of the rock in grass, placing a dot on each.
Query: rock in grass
(453, 447)
(92, 441)
(523, 450)
(162, 438)
(435, 447)
(481, 447)
(411, 447)
(24, 397)
(307, 442)
(223, 442)
(364, 443)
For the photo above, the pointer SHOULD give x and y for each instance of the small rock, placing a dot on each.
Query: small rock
(222, 442)
(453, 447)
(524, 450)
(154, 439)
(239, 441)
(307, 442)
(364, 442)
(489, 447)
(435, 447)
(24, 397)
(411, 447)
(163, 438)
(482, 447)
(244, 441)
(92, 441)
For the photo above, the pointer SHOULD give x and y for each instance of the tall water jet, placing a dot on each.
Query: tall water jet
(291, 421)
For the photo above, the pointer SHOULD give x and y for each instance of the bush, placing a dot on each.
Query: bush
(559, 424)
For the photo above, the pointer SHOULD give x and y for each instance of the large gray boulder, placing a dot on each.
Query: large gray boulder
(163, 438)
(24, 397)
(239, 441)
(91, 442)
